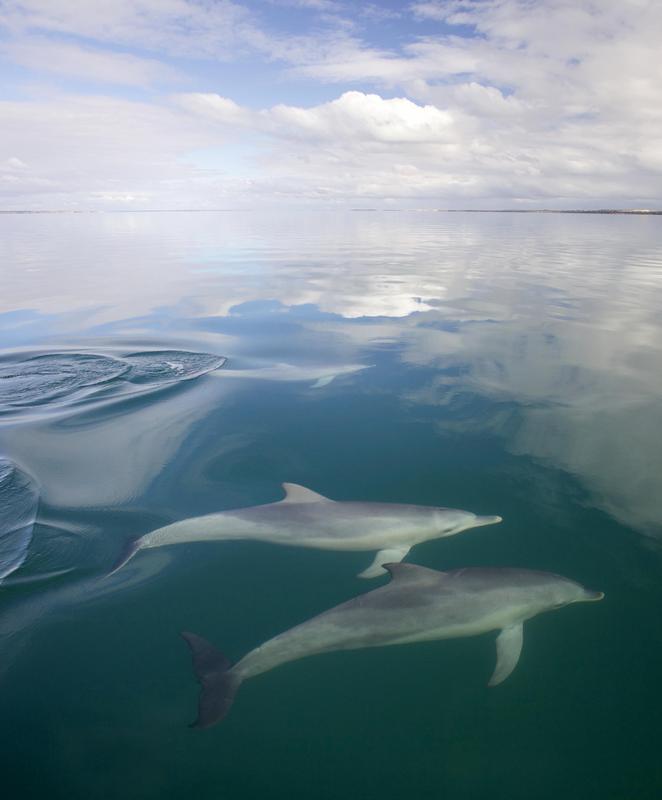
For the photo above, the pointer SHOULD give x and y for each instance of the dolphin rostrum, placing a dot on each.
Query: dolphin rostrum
(307, 519)
(418, 605)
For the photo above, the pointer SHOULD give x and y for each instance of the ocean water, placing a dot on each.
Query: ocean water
(157, 366)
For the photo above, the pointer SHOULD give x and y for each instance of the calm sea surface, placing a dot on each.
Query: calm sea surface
(513, 366)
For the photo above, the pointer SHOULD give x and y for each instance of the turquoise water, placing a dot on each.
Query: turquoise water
(513, 366)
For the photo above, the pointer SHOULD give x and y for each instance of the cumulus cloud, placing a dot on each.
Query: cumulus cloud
(476, 146)
(354, 116)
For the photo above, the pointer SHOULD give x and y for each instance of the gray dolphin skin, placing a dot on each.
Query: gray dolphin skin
(419, 604)
(307, 519)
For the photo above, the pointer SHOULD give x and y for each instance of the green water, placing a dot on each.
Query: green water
(513, 367)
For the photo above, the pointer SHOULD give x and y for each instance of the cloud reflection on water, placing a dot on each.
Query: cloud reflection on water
(557, 316)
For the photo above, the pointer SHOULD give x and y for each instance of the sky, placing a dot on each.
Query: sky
(174, 104)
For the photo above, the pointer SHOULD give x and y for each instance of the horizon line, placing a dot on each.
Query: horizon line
(630, 211)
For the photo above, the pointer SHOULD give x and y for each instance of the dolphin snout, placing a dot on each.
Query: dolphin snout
(593, 597)
(487, 520)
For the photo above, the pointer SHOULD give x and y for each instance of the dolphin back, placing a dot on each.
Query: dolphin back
(214, 673)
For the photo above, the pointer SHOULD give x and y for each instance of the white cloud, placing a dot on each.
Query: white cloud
(478, 147)
(366, 117)
(178, 27)
(14, 164)
(221, 30)
(353, 117)
(552, 103)
(91, 151)
(317, 5)
(88, 64)
(359, 146)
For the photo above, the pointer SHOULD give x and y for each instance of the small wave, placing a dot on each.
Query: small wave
(54, 377)
(44, 378)
(19, 498)
(164, 366)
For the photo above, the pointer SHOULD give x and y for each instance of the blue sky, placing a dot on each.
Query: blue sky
(213, 104)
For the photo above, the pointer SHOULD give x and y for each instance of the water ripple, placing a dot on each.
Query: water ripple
(19, 498)
(46, 378)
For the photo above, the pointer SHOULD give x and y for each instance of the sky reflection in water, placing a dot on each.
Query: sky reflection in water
(505, 364)
(553, 321)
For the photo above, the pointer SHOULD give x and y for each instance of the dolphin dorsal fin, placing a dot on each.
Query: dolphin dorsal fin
(299, 494)
(406, 572)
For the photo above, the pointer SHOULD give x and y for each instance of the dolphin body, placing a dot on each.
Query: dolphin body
(307, 519)
(318, 375)
(418, 605)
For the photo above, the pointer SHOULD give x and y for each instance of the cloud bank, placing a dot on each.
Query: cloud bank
(516, 103)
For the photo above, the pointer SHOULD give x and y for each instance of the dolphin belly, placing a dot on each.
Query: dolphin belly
(332, 526)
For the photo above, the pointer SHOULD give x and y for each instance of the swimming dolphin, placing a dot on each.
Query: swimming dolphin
(318, 374)
(307, 519)
(418, 605)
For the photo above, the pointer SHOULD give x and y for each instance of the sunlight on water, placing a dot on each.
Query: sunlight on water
(159, 367)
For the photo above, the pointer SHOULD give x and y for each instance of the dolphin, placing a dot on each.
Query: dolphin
(307, 519)
(418, 605)
(318, 374)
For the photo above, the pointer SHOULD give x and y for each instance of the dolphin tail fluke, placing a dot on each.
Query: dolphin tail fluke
(129, 551)
(219, 683)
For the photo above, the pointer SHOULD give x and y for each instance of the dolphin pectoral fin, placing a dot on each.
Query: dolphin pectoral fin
(509, 647)
(299, 494)
(214, 673)
(389, 556)
(325, 380)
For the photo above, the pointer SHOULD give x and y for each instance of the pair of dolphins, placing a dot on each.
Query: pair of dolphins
(419, 604)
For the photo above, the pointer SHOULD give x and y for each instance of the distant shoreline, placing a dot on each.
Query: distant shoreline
(633, 211)
(640, 211)
(628, 211)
